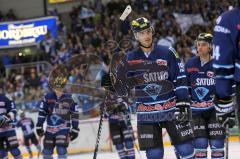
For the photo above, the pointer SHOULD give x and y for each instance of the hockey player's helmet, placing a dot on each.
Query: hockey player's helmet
(207, 37)
(140, 24)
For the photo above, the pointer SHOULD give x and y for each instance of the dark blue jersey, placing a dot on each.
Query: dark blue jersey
(7, 108)
(158, 105)
(226, 52)
(27, 126)
(201, 84)
(61, 113)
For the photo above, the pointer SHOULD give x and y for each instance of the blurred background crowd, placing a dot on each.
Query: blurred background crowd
(176, 23)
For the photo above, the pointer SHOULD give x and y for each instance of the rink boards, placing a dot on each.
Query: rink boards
(87, 137)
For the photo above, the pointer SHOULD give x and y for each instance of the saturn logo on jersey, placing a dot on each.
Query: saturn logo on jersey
(155, 76)
(205, 81)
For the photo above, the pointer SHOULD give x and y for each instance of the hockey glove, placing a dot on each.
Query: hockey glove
(4, 120)
(40, 131)
(183, 111)
(74, 134)
(225, 112)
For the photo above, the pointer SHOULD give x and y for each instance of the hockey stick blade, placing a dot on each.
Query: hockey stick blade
(125, 13)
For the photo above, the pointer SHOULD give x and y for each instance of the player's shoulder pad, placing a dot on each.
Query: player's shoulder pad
(192, 60)
(75, 98)
(8, 97)
(49, 95)
(225, 18)
(172, 50)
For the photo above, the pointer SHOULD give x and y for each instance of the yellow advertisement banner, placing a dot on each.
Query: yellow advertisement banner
(58, 1)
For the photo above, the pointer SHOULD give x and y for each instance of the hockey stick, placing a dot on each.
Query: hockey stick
(40, 149)
(99, 131)
(227, 141)
(237, 107)
(124, 15)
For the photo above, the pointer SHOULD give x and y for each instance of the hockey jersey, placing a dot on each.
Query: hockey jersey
(27, 126)
(8, 108)
(201, 84)
(61, 113)
(226, 52)
(164, 83)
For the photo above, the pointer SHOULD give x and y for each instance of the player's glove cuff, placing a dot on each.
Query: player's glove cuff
(183, 111)
(40, 131)
(225, 112)
(74, 133)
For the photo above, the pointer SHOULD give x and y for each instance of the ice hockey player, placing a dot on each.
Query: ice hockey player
(27, 126)
(162, 97)
(121, 128)
(118, 114)
(200, 76)
(8, 137)
(61, 114)
(227, 64)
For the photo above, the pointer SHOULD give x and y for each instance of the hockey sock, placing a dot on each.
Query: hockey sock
(121, 151)
(16, 153)
(185, 150)
(47, 153)
(62, 152)
(130, 149)
(200, 145)
(217, 147)
(155, 153)
(3, 154)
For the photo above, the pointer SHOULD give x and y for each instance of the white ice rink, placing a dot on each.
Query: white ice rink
(234, 153)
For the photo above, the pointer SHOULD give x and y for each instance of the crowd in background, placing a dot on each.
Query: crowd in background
(9, 16)
(90, 34)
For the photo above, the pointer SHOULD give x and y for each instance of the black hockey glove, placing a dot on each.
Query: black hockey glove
(225, 112)
(74, 134)
(183, 111)
(40, 131)
(4, 120)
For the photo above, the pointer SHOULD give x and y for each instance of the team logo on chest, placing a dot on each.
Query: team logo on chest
(201, 92)
(153, 90)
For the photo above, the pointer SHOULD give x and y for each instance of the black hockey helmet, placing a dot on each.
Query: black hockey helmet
(140, 24)
(207, 37)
